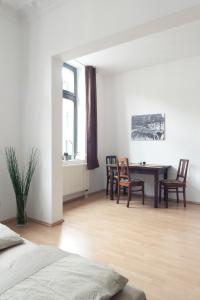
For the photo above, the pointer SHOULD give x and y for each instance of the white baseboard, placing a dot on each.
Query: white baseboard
(75, 196)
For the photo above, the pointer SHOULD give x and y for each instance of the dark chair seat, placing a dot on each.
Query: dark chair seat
(172, 183)
(137, 182)
(134, 182)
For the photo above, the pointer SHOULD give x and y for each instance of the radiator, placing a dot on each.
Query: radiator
(75, 179)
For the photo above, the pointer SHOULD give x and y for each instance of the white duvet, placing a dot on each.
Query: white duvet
(50, 273)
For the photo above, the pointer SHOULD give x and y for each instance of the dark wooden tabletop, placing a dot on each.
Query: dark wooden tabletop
(149, 166)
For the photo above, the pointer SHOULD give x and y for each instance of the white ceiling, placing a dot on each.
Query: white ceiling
(156, 8)
(140, 4)
(26, 7)
(23, 4)
(173, 44)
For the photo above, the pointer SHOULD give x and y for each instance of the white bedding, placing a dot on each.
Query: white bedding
(35, 272)
(8, 237)
(10, 255)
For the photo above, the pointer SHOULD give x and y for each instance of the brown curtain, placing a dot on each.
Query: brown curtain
(91, 115)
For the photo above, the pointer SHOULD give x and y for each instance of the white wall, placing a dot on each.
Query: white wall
(54, 33)
(173, 89)
(59, 32)
(46, 37)
(9, 104)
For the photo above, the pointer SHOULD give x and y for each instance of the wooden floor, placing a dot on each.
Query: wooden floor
(157, 249)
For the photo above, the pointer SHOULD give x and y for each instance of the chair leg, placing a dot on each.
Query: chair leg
(116, 187)
(124, 190)
(143, 193)
(118, 193)
(107, 183)
(129, 194)
(166, 196)
(184, 199)
(160, 191)
(177, 195)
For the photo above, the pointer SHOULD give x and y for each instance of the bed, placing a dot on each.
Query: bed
(41, 272)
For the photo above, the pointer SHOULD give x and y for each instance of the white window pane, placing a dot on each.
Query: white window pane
(68, 79)
(68, 115)
(68, 127)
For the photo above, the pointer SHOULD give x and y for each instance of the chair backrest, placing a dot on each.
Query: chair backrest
(182, 170)
(123, 168)
(110, 160)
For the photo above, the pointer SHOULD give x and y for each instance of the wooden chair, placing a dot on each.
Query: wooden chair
(177, 185)
(125, 181)
(110, 159)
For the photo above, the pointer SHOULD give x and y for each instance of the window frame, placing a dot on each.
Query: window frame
(73, 97)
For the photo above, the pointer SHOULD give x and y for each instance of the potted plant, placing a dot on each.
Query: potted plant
(21, 180)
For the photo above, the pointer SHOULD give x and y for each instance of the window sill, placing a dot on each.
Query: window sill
(73, 162)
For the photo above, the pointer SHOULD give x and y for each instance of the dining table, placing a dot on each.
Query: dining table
(156, 170)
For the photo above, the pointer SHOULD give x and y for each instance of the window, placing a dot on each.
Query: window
(73, 111)
(69, 108)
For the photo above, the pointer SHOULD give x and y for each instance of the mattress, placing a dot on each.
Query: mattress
(9, 257)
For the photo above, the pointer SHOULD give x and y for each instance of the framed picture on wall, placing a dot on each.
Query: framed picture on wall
(149, 127)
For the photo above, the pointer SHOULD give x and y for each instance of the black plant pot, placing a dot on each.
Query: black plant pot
(21, 218)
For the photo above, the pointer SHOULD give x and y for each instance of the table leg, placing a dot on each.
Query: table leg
(111, 185)
(156, 183)
(165, 173)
